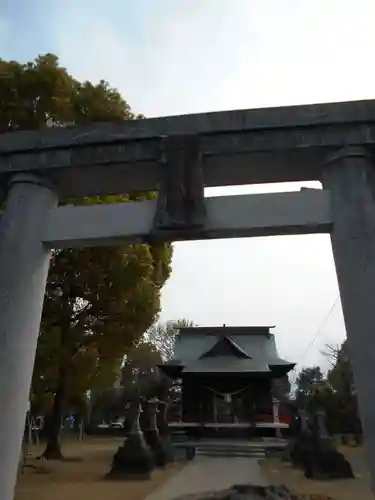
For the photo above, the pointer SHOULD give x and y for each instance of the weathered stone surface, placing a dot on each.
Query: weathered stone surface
(157, 447)
(324, 464)
(151, 434)
(234, 493)
(245, 492)
(161, 419)
(315, 453)
(257, 144)
(132, 460)
(181, 186)
(226, 217)
(164, 431)
(300, 448)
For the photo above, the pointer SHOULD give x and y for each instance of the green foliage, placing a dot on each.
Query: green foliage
(41, 93)
(98, 301)
(341, 374)
(140, 375)
(336, 392)
(341, 379)
(104, 405)
(141, 359)
(305, 380)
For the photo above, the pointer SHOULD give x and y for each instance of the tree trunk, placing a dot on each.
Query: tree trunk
(53, 429)
(53, 449)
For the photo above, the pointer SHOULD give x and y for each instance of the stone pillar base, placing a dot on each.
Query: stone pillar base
(133, 460)
(157, 447)
(168, 448)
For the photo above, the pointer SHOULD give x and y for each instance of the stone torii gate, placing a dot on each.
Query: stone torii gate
(179, 156)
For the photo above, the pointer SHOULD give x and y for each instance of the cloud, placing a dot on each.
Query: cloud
(191, 56)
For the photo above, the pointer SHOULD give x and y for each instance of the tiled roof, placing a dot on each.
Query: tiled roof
(201, 351)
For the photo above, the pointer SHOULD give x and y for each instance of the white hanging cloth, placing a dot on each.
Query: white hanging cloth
(227, 398)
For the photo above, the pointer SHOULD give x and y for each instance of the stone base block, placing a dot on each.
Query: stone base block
(133, 460)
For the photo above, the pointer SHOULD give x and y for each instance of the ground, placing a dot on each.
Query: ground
(205, 474)
(81, 477)
(280, 473)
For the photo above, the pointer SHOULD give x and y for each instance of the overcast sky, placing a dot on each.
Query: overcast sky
(187, 56)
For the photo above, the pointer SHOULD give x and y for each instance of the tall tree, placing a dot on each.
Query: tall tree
(342, 381)
(163, 335)
(140, 374)
(305, 380)
(98, 301)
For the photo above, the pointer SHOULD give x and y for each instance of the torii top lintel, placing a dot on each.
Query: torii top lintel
(237, 147)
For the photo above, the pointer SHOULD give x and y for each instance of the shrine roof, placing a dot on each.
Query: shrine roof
(227, 349)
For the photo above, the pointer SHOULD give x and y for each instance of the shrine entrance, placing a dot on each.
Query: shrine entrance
(179, 157)
(228, 410)
(223, 410)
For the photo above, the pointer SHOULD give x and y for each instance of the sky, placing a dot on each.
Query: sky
(170, 57)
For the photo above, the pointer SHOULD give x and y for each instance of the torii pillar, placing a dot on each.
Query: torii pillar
(24, 266)
(349, 175)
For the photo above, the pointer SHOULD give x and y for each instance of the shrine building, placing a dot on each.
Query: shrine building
(229, 377)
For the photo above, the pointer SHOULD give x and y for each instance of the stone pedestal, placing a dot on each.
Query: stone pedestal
(276, 417)
(301, 441)
(24, 263)
(161, 418)
(164, 432)
(324, 462)
(151, 434)
(320, 416)
(304, 421)
(133, 460)
(314, 452)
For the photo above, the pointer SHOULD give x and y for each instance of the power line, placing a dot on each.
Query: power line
(316, 335)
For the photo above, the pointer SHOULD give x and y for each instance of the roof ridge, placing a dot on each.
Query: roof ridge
(255, 330)
(238, 351)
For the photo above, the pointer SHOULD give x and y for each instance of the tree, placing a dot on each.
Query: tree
(341, 379)
(163, 336)
(305, 380)
(140, 371)
(98, 301)
(104, 405)
(138, 375)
